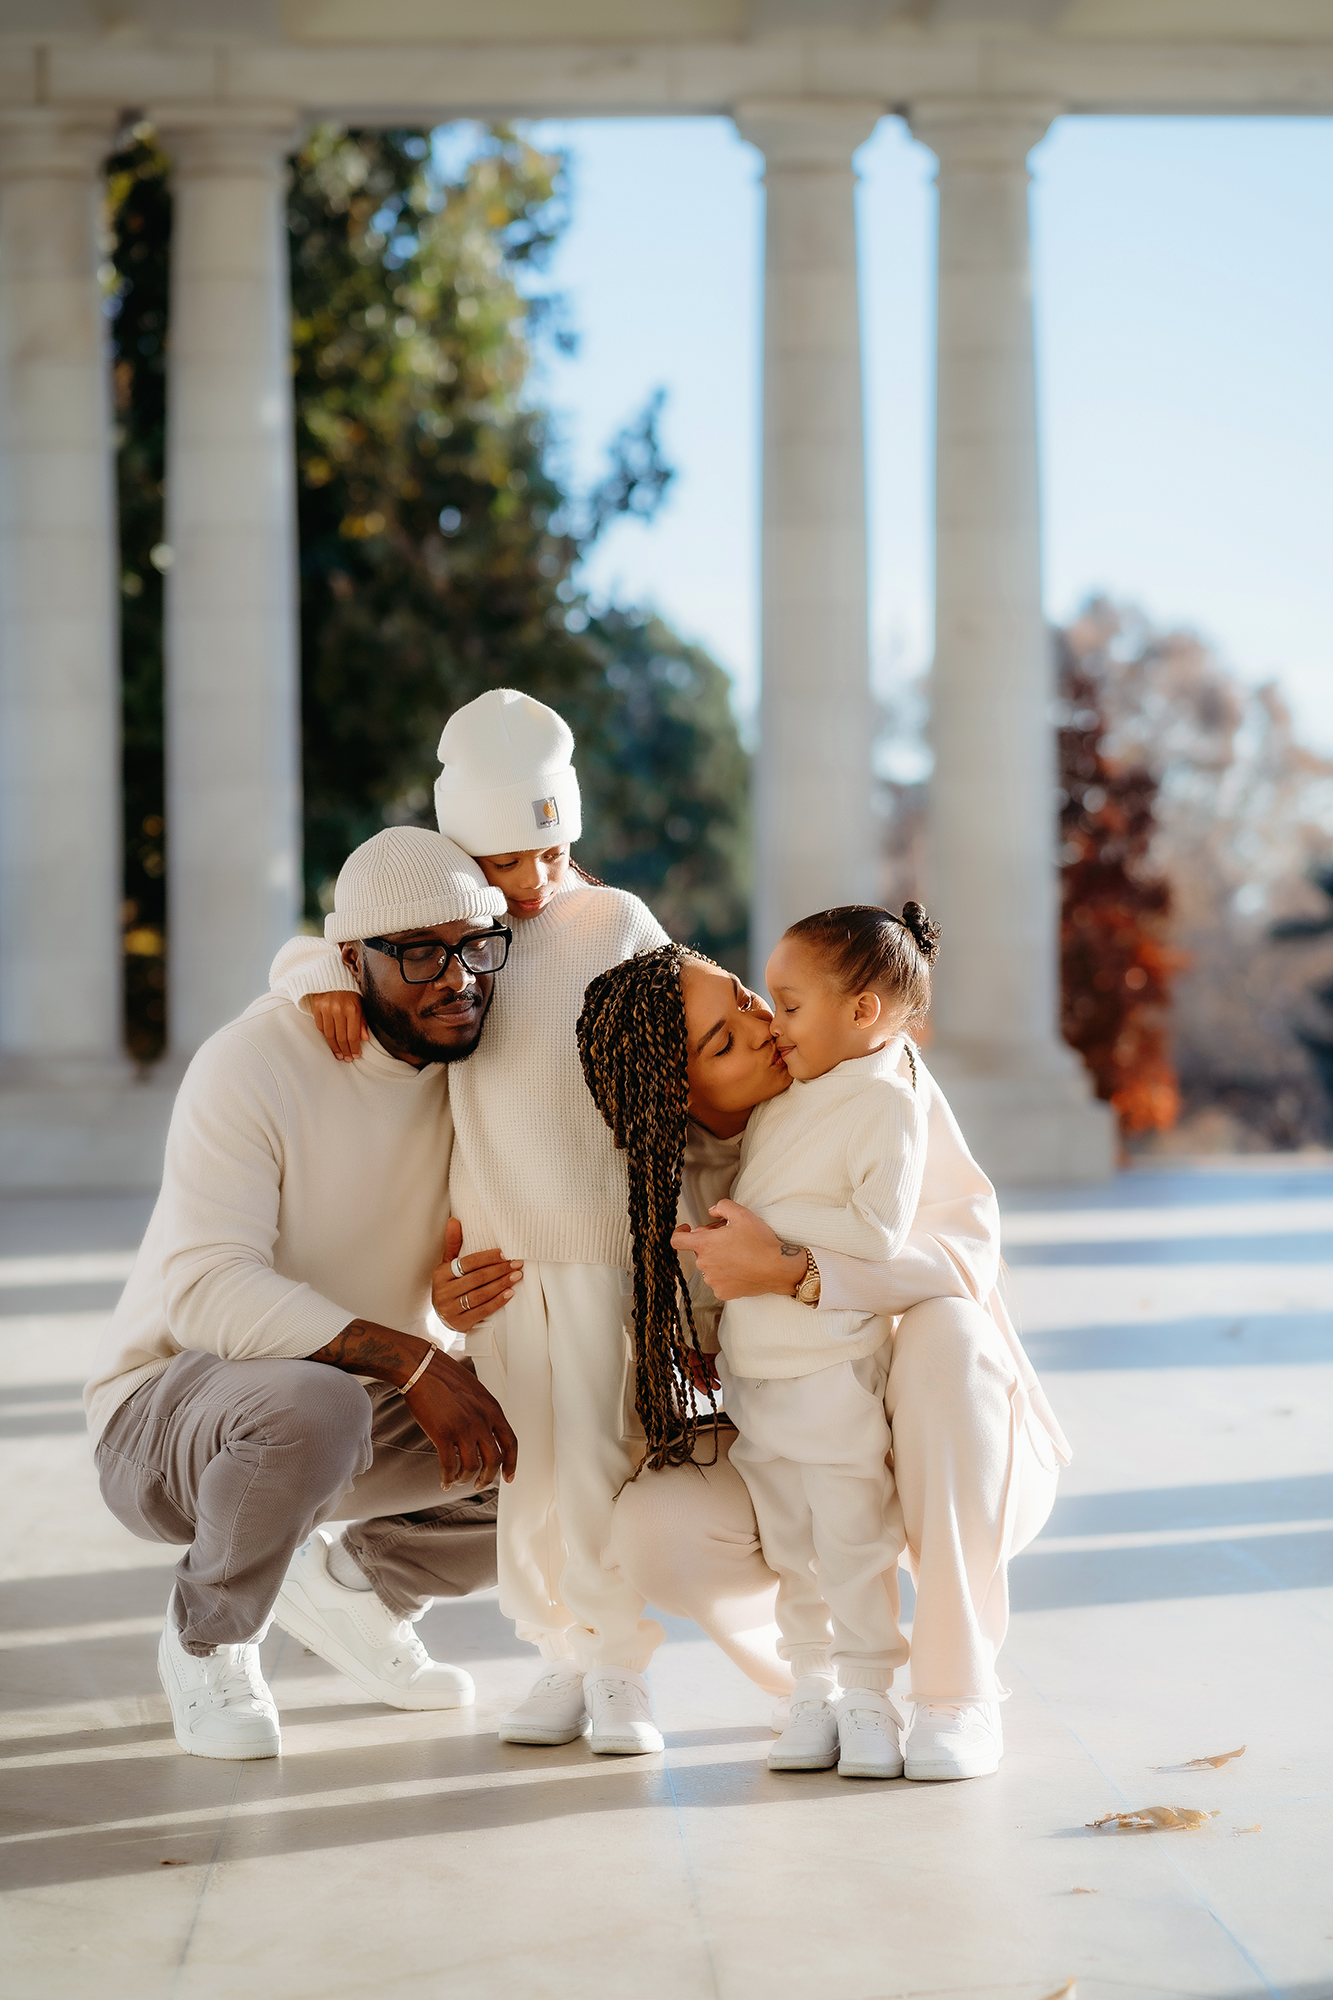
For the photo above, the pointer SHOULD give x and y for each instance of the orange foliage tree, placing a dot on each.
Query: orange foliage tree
(1116, 962)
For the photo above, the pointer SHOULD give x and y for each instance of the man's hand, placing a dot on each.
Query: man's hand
(339, 1018)
(464, 1423)
(487, 1283)
(462, 1420)
(744, 1259)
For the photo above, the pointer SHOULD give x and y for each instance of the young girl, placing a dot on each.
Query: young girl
(836, 1159)
(534, 1169)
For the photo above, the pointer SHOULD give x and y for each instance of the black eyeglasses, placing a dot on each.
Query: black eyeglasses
(421, 964)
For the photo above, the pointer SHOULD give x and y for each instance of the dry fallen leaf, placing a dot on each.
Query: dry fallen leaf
(1154, 1819)
(1256, 1828)
(1069, 1991)
(173, 1864)
(1203, 1763)
(1083, 1892)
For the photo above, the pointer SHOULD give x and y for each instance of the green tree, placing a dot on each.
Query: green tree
(139, 203)
(438, 550)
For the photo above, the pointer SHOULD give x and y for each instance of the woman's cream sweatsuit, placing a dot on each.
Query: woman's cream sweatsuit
(536, 1175)
(837, 1159)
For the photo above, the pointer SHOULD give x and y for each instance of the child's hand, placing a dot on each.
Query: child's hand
(339, 1018)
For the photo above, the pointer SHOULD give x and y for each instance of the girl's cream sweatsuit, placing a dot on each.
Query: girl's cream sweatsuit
(977, 1449)
(836, 1160)
(536, 1175)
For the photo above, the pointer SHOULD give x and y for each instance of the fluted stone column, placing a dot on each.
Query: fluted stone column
(232, 697)
(60, 836)
(814, 836)
(1022, 1096)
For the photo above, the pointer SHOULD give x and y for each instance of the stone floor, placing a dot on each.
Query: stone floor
(1178, 1606)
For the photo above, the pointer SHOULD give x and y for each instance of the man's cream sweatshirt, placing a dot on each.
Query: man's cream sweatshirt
(298, 1194)
(837, 1161)
(535, 1171)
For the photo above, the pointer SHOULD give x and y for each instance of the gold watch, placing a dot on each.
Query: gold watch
(808, 1289)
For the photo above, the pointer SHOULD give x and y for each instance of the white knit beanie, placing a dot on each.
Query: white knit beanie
(407, 879)
(508, 782)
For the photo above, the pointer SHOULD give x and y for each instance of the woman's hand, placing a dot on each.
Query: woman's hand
(339, 1018)
(743, 1259)
(487, 1283)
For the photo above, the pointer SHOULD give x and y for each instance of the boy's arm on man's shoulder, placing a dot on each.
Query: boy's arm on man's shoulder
(306, 966)
(221, 1192)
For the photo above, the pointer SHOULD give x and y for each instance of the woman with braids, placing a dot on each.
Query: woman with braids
(680, 1054)
(533, 1168)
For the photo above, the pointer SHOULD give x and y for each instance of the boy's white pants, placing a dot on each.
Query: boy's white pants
(559, 1360)
(812, 1451)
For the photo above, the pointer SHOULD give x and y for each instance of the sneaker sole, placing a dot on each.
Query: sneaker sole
(803, 1763)
(306, 1626)
(603, 1746)
(538, 1738)
(943, 1773)
(847, 1769)
(194, 1748)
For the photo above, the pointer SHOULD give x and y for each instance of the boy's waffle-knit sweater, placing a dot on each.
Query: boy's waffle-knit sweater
(535, 1172)
(837, 1160)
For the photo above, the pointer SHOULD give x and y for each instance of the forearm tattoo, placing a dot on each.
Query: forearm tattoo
(363, 1348)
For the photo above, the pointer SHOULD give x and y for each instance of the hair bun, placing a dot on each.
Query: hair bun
(927, 935)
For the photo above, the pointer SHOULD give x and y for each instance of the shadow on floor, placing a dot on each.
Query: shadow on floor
(273, 1808)
(1258, 1340)
(1309, 1247)
(1063, 1579)
(1307, 1497)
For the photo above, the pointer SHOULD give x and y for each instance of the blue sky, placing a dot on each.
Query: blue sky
(1184, 284)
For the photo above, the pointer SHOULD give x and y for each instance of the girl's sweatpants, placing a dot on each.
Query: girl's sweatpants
(813, 1451)
(559, 1360)
(976, 1476)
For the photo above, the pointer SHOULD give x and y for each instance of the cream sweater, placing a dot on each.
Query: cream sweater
(951, 1252)
(298, 1194)
(836, 1160)
(535, 1172)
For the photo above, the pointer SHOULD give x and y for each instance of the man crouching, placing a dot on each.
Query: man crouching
(270, 1364)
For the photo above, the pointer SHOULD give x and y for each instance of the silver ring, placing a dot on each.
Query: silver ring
(457, 1267)
(463, 1302)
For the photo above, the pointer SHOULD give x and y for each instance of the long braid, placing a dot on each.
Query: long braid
(633, 1046)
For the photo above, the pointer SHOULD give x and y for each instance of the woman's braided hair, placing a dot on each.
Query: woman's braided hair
(633, 1047)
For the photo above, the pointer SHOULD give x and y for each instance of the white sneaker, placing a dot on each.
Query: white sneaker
(810, 1740)
(555, 1711)
(954, 1739)
(359, 1635)
(868, 1736)
(781, 1715)
(221, 1705)
(620, 1713)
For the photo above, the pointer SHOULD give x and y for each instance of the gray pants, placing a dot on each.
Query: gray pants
(241, 1459)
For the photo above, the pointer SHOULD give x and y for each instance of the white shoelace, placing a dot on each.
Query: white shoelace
(232, 1674)
(556, 1682)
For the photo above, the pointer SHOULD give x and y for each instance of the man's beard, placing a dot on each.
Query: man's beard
(397, 1030)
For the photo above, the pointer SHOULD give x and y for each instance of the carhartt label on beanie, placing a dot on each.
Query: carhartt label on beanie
(405, 879)
(508, 781)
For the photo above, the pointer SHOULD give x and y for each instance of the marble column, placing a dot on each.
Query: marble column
(232, 697)
(814, 835)
(60, 835)
(1022, 1095)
